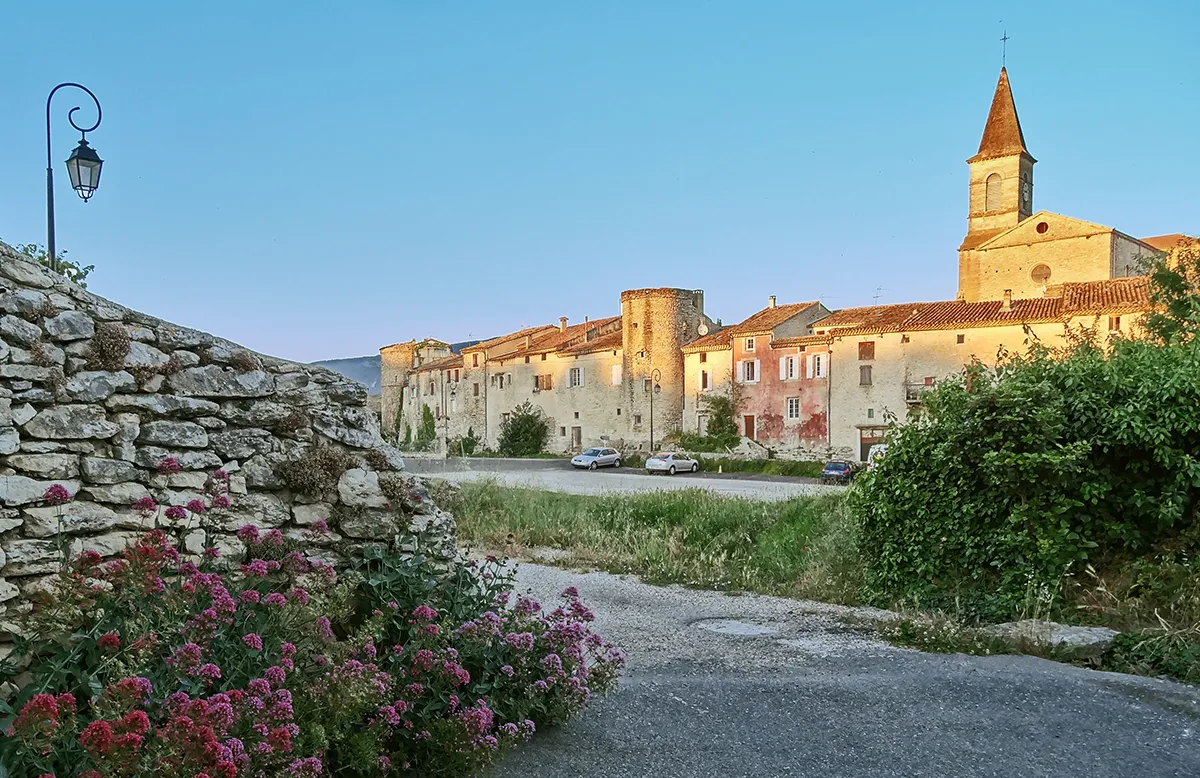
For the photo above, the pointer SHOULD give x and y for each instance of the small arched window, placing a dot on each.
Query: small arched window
(993, 193)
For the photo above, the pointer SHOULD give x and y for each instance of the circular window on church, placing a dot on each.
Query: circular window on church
(1043, 228)
(1040, 273)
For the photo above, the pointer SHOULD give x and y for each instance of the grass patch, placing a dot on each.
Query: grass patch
(797, 469)
(801, 547)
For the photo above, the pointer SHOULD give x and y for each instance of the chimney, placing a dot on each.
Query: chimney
(528, 341)
(1006, 303)
(562, 323)
(771, 301)
(586, 319)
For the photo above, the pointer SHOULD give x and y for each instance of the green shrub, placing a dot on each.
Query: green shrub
(1014, 476)
(426, 430)
(525, 432)
(109, 346)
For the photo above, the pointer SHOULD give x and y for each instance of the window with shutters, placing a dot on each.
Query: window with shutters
(787, 368)
(527, 359)
(575, 376)
(704, 380)
(543, 382)
(646, 385)
(749, 344)
(866, 349)
(474, 360)
(616, 375)
(703, 357)
(750, 370)
(962, 338)
(1114, 323)
(994, 196)
(864, 375)
(475, 389)
(818, 365)
(793, 407)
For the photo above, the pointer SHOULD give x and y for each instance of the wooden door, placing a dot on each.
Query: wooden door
(577, 438)
(748, 425)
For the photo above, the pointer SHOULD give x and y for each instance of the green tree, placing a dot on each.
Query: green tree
(722, 426)
(426, 431)
(525, 432)
(1175, 295)
(71, 270)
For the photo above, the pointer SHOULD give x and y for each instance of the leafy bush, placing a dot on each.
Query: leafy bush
(153, 665)
(316, 471)
(525, 432)
(426, 430)
(466, 445)
(1017, 475)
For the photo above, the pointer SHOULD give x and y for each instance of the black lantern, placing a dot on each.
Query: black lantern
(84, 168)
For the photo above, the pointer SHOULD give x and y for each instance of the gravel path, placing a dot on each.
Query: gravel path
(557, 476)
(766, 686)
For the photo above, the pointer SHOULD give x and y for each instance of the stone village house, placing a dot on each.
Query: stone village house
(805, 379)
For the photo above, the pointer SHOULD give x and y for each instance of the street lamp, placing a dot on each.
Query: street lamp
(655, 377)
(83, 166)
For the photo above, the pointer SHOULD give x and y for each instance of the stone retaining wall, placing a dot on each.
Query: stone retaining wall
(94, 397)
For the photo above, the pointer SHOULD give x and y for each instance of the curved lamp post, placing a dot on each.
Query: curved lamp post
(655, 377)
(83, 166)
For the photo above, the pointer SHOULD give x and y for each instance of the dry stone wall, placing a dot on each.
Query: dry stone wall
(116, 406)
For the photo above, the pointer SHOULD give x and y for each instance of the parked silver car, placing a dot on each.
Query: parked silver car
(597, 457)
(671, 462)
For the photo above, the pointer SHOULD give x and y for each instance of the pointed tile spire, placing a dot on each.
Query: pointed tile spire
(1002, 137)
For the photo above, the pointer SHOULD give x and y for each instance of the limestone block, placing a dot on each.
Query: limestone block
(184, 480)
(106, 545)
(260, 472)
(29, 557)
(70, 325)
(242, 443)
(22, 413)
(162, 405)
(71, 518)
(142, 355)
(6, 418)
(170, 336)
(141, 333)
(16, 330)
(108, 471)
(22, 490)
(195, 541)
(10, 440)
(95, 385)
(42, 446)
(25, 302)
(151, 456)
(185, 358)
(7, 590)
(211, 423)
(178, 434)
(25, 372)
(46, 465)
(27, 274)
(368, 525)
(255, 413)
(217, 381)
(124, 494)
(329, 424)
(261, 510)
(10, 519)
(39, 396)
(71, 422)
(360, 488)
(310, 514)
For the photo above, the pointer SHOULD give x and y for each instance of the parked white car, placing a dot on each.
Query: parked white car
(671, 462)
(597, 457)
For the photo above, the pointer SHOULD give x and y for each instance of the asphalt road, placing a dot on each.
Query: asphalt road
(557, 475)
(763, 686)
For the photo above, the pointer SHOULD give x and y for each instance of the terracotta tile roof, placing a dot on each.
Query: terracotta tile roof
(1120, 295)
(418, 343)
(769, 318)
(537, 331)
(607, 342)
(1002, 135)
(450, 362)
(716, 341)
(574, 335)
(1165, 242)
(803, 340)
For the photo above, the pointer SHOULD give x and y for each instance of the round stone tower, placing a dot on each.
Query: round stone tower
(656, 324)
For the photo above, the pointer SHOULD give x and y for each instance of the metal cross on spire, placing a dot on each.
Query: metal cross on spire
(1004, 49)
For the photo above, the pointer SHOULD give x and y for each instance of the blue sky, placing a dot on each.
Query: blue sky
(316, 180)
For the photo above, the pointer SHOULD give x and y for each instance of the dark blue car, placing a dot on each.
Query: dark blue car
(838, 472)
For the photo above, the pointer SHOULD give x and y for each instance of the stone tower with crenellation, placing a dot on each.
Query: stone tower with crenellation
(656, 324)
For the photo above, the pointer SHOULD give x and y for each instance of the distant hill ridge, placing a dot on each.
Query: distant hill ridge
(366, 370)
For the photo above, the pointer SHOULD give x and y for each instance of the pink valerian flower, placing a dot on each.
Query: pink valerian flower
(273, 538)
(319, 527)
(145, 507)
(196, 506)
(256, 567)
(212, 552)
(276, 675)
(56, 494)
(248, 533)
(176, 513)
(570, 592)
(521, 640)
(168, 465)
(287, 649)
(324, 628)
(109, 641)
(275, 599)
(249, 595)
(209, 672)
(527, 606)
(253, 641)
(424, 613)
(306, 768)
(220, 502)
(507, 670)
